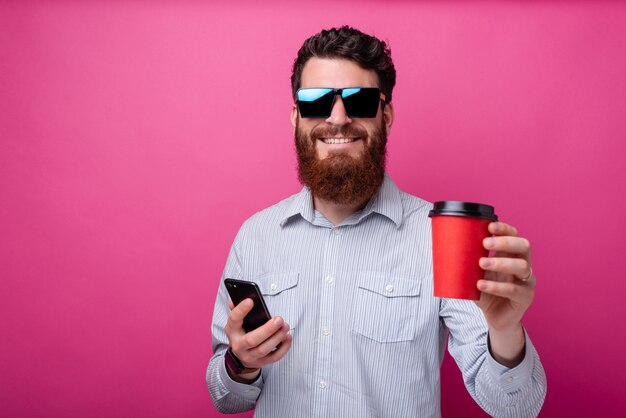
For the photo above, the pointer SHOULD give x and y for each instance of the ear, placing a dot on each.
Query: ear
(294, 116)
(388, 115)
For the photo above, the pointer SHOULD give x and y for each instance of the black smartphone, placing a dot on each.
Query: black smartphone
(240, 290)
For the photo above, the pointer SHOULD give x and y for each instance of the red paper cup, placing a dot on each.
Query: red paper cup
(458, 231)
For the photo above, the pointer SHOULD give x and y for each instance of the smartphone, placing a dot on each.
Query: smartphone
(240, 290)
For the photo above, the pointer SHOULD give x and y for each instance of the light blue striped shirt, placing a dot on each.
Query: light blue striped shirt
(368, 334)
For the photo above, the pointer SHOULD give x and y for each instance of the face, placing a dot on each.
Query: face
(341, 158)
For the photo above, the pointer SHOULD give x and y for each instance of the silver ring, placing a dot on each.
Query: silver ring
(530, 274)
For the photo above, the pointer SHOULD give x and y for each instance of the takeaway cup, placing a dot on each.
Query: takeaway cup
(458, 231)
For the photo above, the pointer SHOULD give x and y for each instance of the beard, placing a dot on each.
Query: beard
(341, 178)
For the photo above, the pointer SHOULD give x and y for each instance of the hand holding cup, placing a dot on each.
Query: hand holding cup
(508, 287)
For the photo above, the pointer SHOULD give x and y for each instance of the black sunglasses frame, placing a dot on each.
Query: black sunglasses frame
(382, 99)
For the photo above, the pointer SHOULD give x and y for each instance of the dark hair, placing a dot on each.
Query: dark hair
(345, 42)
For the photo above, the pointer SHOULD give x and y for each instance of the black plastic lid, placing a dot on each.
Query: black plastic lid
(453, 208)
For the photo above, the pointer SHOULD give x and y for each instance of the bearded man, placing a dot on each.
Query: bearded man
(347, 265)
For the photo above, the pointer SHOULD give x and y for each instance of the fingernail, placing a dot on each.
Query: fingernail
(485, 261)
(489, 243)
(278, 321)
(482, 285)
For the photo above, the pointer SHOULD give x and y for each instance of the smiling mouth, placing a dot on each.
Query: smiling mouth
(338, 140)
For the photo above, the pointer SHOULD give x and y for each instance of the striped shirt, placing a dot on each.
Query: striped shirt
(368, 334)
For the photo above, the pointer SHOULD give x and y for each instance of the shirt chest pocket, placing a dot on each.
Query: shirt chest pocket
(386, 307)
(280, 292)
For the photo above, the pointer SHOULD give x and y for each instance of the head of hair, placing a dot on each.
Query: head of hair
(348, 43)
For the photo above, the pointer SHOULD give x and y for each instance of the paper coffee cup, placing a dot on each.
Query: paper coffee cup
(458, 230)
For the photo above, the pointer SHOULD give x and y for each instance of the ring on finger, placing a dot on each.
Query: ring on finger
(530, 274)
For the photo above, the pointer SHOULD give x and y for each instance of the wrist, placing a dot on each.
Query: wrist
(508, 346)
(236, 369)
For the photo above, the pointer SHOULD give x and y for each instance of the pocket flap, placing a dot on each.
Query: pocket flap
(388, 285)
(274, 283)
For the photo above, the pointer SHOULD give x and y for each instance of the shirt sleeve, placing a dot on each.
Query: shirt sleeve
(498, 390)
(228, 396)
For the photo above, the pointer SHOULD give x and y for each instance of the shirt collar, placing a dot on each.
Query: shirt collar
(301, 204)
(387, 202)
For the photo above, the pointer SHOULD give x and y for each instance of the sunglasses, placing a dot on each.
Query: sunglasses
(359, 102)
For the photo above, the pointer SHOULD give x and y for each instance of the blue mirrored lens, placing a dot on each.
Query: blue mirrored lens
(349, 92)
(309, 95)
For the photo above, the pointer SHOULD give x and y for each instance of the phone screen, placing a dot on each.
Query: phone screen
(240, 290)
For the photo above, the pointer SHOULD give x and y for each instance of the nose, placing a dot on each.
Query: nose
(338, 115)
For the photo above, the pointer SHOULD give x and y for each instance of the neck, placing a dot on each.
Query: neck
(336, 212)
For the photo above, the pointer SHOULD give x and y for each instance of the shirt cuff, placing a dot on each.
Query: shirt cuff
(511, 380)
(247, 391)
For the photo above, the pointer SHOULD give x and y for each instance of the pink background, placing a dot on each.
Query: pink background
(137, 136)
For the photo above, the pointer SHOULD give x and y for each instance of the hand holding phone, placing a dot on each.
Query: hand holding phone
(246, 354)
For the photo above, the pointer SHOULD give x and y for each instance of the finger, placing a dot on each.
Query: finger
(277, 354)
(238, 313)
(517, 267)
(258, 336)
(508, 244)
(269, 345)
(500, 228)
(231, 305)
(514, 291)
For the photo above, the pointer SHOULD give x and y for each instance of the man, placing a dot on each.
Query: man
(347, 265)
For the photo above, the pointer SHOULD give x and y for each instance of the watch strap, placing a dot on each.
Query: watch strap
(235, 365)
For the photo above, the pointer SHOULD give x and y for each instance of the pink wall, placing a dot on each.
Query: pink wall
(135, 137)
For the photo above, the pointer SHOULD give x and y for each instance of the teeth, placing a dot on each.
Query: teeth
(337, 140)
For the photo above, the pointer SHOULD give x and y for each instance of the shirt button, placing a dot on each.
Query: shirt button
(322, 384)
(509, 379)
(325, 332)
(336, 231)
(273, 286)
(389, 288)
(329, 279)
